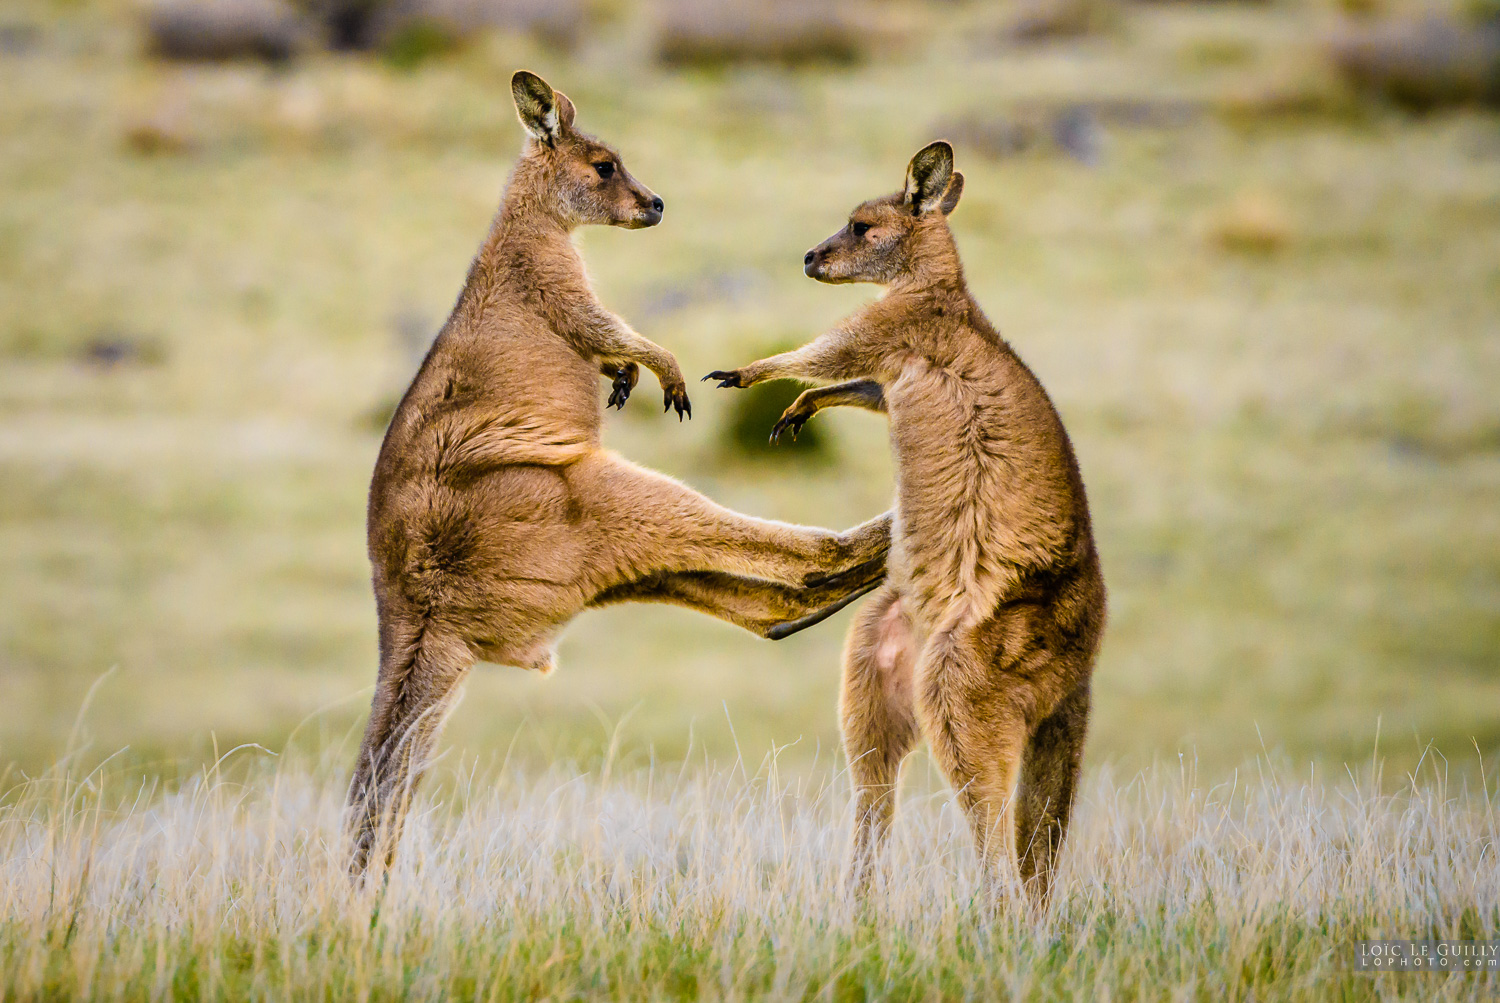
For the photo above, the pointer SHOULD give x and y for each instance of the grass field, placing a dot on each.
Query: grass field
(1275, 338)
(1268, 312)
(697, 883)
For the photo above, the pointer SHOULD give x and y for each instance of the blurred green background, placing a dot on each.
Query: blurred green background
(1252, 249)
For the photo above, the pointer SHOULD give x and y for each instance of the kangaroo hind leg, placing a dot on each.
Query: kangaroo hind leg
(1049, 784)
(767, 609)
(878, 722)
(657, 525)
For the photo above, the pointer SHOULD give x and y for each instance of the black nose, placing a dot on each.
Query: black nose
(807, 258)
(657, 203)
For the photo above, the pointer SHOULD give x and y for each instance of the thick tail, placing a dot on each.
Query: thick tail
(418, 686)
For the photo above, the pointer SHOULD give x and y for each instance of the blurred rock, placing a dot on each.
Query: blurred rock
(997, 136)
(218, 30)
(1300, 93)
(18, 39)
(718, 32)
(111, 349)
(1422, 63)
(1077, 128)
(1144, 113)
(1253, 223)
(1044, 20)
(410, 32)
(1077, 132)
(162, 127)
(157, 135)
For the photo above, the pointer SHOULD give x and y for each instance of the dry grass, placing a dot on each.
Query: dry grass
(697, 883)
(211, 277)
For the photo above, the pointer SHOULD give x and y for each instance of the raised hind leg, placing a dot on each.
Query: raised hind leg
(878, 722)
(768, 609)
(418, 684)
(1049, 784)
(648, 524)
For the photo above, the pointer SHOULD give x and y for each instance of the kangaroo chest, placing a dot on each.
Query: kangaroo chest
(979, 500)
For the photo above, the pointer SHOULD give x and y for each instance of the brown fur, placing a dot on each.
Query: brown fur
(983, 639)
(495, 516)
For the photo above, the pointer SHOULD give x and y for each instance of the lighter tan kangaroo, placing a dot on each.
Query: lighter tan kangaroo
(983, 639)
(495, 516)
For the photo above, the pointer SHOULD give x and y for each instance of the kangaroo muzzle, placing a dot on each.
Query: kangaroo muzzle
(648, 209)
(815, 262)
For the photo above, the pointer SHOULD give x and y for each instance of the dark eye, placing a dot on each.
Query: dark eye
(606, 170)
(860, 229)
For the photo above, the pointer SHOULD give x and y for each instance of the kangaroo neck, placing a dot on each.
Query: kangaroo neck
(941, 292)
(522, 233)
(524, 239)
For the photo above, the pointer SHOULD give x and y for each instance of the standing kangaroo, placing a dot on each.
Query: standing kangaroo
(983, 639)
(495, 516)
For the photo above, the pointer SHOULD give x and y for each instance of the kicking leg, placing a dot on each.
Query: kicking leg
(649, 523)
(878, 723)
(768, 609)
(1049, 783)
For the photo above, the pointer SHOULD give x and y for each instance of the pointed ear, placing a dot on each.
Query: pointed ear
(927, 177)
(536, 105)
(951, 196)
(565, 111)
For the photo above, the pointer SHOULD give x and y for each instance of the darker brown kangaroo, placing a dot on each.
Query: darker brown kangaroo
(495, 516)
(983, 640)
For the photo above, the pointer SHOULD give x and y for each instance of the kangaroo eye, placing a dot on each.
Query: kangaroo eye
(860, 229)
(605, 169)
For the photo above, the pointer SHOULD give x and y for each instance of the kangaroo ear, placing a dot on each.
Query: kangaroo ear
(565, 111)
(536, 104)
(927, 177)
(951, 196)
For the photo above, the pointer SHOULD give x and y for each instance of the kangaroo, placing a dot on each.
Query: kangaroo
(983, 639)
(494, 514)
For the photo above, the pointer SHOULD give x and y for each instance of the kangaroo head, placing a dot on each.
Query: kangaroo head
(891, 237)
(574, 176)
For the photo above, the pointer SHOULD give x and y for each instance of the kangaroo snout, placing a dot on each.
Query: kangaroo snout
(648, 210)
(654, 208)
(812, 262)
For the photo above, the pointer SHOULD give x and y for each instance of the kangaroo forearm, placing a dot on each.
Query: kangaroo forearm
(867, 394)
(613, 342)
(834, 356)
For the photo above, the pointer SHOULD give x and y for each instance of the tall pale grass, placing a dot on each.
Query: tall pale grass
(704, 882)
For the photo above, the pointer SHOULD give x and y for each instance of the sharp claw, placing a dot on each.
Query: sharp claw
(726, 378)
